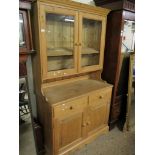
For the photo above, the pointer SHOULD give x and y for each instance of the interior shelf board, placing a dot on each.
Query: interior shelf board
(86, 50)
(60, 52)
(69, 51)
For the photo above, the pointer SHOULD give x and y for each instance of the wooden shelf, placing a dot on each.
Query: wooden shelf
(89, 51)
(68, 51)
(60, 52)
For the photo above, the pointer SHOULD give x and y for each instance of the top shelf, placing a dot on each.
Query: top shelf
(69, 51)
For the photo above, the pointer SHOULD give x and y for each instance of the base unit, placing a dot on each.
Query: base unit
(79, 115)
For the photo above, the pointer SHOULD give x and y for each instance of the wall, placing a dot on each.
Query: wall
(90, 2)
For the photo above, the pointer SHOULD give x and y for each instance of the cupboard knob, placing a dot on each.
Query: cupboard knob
(76, 44)
(71, 108)
(88, 123)
(79, 44)
(101, 97)
(84, 125)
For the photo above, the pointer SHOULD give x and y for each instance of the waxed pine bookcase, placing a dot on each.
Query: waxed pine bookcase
(73, 101)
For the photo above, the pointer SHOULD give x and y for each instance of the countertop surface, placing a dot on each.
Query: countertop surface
(59, 93)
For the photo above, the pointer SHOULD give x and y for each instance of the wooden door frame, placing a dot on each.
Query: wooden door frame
(58, 10)
(102, 43)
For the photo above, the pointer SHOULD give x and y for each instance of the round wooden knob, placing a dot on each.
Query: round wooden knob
(88, 123)
(101, 97)
(71, 108)
(84, 125)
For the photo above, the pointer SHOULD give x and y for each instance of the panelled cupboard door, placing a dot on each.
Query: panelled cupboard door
(91, 41)
(58, 41)
(97, 117)
(68, 130)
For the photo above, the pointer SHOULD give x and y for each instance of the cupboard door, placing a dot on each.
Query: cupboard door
(58, 41)
(91, 41)
(97, 117)
(68, 131)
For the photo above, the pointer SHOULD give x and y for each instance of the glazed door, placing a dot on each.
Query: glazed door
(24, 42)
(91, 41)
(97, 117)
(67, 131)
(59, 33)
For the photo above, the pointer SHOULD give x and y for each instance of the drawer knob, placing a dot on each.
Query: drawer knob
(101, 97)
(71, 108)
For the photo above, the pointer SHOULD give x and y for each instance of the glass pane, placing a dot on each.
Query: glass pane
(21, 31)
(60, 41)
(91, 36)
(128, 37)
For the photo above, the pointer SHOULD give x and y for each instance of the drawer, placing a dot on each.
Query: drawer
(70, 107)
(100, 97)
